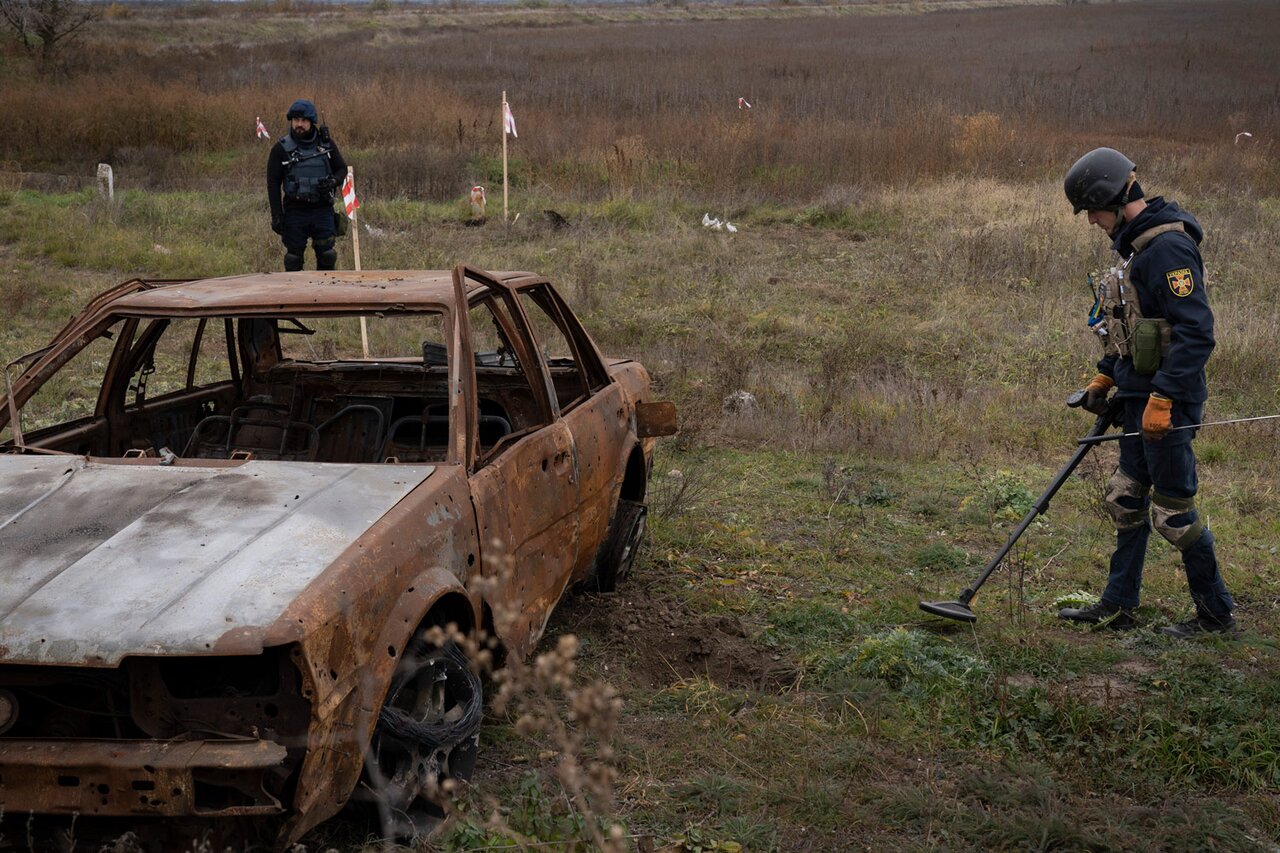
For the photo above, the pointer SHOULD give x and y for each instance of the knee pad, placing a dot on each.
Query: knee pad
(292, 262)
(1126, 501)
(326, 254)
(1176, 520)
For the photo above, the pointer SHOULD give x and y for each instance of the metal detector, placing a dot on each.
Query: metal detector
(959, 609)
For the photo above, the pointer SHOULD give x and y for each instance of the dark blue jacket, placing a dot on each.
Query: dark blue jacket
(1160, 274)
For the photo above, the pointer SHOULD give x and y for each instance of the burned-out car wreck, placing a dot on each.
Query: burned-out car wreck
(232, 511)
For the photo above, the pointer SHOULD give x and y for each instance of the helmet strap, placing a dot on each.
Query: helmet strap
(1123, 200)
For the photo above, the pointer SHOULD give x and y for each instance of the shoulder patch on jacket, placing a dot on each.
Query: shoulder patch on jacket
(1181, 282)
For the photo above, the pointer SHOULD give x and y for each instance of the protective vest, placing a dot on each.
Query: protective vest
(308, 172)
(1117, 318)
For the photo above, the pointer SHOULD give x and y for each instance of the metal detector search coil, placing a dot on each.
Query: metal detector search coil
(959, 609)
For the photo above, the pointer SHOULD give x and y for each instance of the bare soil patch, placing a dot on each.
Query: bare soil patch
(1122, 684)
(657, 643)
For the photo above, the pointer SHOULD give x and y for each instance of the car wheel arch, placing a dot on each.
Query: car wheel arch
(435, 599)
(635, 477)
(627, 510)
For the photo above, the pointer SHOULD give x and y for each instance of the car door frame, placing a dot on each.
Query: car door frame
(525, 488)
(599, 422)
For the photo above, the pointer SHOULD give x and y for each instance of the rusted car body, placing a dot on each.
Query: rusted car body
(216, 576)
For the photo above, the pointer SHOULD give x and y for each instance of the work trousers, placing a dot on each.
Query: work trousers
(1168, 465)
(301, 223)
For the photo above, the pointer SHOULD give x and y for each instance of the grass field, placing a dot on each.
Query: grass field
(905, 299)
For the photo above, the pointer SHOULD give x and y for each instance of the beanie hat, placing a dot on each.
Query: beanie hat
(1132, 193)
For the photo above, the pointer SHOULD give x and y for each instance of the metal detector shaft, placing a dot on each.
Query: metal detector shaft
(1098, 439)
(1100, 426)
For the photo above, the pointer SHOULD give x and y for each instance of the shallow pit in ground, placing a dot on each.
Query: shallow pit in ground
(657, 642)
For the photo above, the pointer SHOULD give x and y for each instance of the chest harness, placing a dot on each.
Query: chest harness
(1116, 317)
(1117, 320)
(308, 175)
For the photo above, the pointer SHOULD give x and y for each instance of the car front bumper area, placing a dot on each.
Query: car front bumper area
(138, 777)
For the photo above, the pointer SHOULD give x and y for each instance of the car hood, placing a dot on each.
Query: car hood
(102, 560)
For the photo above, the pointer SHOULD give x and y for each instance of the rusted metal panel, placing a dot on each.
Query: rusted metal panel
(599, 426)
(307, 291)
(527, 507)
(102, 561)
(136, 777)
(367, 605)
(654, 419)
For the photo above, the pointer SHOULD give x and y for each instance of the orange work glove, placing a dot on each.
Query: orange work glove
(1095, 399)
(1156, 417)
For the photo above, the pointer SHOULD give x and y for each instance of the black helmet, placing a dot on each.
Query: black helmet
(1099, 180)
(302, 108)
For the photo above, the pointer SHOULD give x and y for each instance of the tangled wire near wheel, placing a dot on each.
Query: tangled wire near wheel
(427, 733)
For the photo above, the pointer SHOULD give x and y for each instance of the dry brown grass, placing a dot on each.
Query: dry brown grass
(612, 109)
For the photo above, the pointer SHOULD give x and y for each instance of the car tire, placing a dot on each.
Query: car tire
(427, 733)
(626, 534)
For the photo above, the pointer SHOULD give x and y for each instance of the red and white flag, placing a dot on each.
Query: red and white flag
(349, 200)
(261, 129)
(508, 120)
(743, 105)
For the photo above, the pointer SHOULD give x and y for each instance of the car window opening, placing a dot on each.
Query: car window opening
(274, 389)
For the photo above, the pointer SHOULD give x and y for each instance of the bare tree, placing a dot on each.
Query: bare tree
(44, 26)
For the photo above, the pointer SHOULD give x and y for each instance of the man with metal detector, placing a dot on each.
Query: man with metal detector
(1152, 315)
(304, 167)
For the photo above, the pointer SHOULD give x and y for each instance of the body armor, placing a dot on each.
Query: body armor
(1117, 318)
(308, 175)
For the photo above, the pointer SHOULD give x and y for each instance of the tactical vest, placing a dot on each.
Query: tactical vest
(1117, 313)
(308, 172)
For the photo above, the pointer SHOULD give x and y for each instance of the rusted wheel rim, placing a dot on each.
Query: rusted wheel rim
(427, 732)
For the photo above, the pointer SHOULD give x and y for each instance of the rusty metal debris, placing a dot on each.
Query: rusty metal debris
(217, 581)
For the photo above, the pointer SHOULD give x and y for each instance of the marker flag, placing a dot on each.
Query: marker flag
(508, 120)
(743, 105)
(261, 129)
(349, 200)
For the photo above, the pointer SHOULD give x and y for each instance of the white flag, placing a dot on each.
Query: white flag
(261, 129)
(742, 104)
(508, 120)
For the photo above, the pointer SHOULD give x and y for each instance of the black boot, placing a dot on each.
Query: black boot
(1104, 613)
(1201, 624)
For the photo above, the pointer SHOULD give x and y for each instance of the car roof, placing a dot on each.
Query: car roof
(302, 292)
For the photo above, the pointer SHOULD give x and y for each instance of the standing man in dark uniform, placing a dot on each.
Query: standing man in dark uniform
(304, 167)
(1157, 333)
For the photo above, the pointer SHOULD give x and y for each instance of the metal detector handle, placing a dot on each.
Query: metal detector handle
(1041, 505)
(1091, 440)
